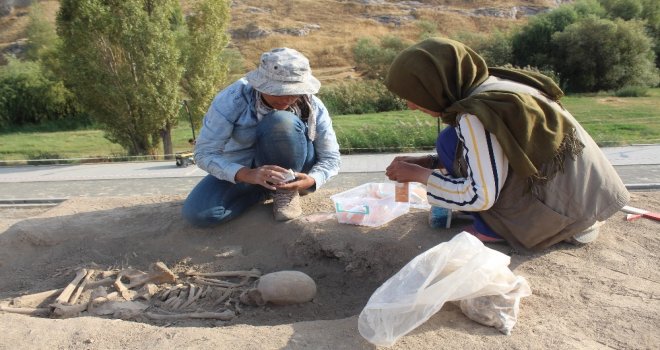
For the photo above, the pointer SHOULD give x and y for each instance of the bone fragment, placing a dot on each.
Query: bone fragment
(192, 296)
(170, 291)
(179, 301)
(107, 274)
(36, 299)
(169, 302)
(81, 287)
(159, 274)
(26, 310)
(252, 273)
(112, 307)
(122, 289)
(229, 251)
(66, 311)
(69, 289)
(147, 291)
(237, 306)
(215, 282)
(106, 281)
(224, 316)
(223, 297)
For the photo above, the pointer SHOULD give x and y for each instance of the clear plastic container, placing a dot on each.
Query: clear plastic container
(371, 204)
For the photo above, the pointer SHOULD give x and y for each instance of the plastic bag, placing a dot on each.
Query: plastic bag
(499, 311)
(417, 197)
(462, 268)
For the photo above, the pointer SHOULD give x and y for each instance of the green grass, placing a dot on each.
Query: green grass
(613, 121)
(610, 120)
(398, 131)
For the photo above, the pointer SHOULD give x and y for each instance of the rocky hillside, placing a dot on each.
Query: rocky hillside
(325, 30)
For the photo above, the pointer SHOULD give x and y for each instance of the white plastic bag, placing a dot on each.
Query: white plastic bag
(500, 310)
(462, 268)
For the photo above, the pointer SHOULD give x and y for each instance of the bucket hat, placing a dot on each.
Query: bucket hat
(283, 71)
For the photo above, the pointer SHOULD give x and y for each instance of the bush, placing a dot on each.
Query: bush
(495, 48)
(632, 91)
(46, 158)
(374, 59)
(28, 95)
(359, 97)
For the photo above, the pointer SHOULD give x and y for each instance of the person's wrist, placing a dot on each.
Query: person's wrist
(432, 161)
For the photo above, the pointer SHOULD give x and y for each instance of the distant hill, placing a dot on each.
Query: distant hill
(324, 30)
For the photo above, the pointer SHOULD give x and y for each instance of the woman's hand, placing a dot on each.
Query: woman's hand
(402, 171)
(266, 175)
(302, 182)
(425, 161)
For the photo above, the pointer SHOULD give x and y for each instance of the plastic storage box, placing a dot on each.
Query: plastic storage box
(371, 204)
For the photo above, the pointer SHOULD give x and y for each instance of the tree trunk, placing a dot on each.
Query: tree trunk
(166, 135)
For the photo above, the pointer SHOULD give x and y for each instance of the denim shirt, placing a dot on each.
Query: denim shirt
(227, 139)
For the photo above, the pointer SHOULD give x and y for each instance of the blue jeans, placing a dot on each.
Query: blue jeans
(446, 147)
(281, 140)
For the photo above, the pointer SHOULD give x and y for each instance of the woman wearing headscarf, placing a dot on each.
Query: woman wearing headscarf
(265, 135)
(511, 155)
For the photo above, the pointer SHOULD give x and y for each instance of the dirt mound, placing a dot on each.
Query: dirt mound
(602, 294)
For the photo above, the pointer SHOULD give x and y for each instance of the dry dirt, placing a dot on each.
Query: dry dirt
(603, 295)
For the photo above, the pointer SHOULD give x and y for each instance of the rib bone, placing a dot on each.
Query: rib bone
(224, 316)
(252, 273)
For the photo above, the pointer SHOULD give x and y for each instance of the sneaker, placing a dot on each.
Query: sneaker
(482, 237)
(286, 205)
(587, 236)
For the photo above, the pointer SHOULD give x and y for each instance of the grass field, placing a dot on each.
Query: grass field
(610, 120)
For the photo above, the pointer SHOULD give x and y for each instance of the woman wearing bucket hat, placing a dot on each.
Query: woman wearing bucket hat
(511, 155)
(264, 135)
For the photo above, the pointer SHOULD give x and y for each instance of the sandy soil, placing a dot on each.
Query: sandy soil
(603, 295)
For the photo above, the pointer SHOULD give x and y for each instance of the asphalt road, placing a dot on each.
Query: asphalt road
(638, 166)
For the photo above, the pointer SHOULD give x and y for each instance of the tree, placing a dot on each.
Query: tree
(122, 61)
(206, 60)
(600, 54)
(531, 45)
(651, 14)
(624, 9)
(42, 38)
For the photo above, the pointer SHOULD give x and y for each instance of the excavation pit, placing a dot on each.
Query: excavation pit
(346, 262)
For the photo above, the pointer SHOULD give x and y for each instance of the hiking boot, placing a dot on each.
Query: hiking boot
(286, 205)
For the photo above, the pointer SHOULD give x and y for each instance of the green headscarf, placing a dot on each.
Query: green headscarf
(439, 75)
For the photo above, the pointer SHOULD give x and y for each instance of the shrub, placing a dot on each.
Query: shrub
(495, 48)
(632, 91)
(359, 97)
(29, 95)
(374, 59)
(45, 158)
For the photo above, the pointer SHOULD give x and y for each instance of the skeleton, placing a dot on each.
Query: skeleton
(217, 290)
